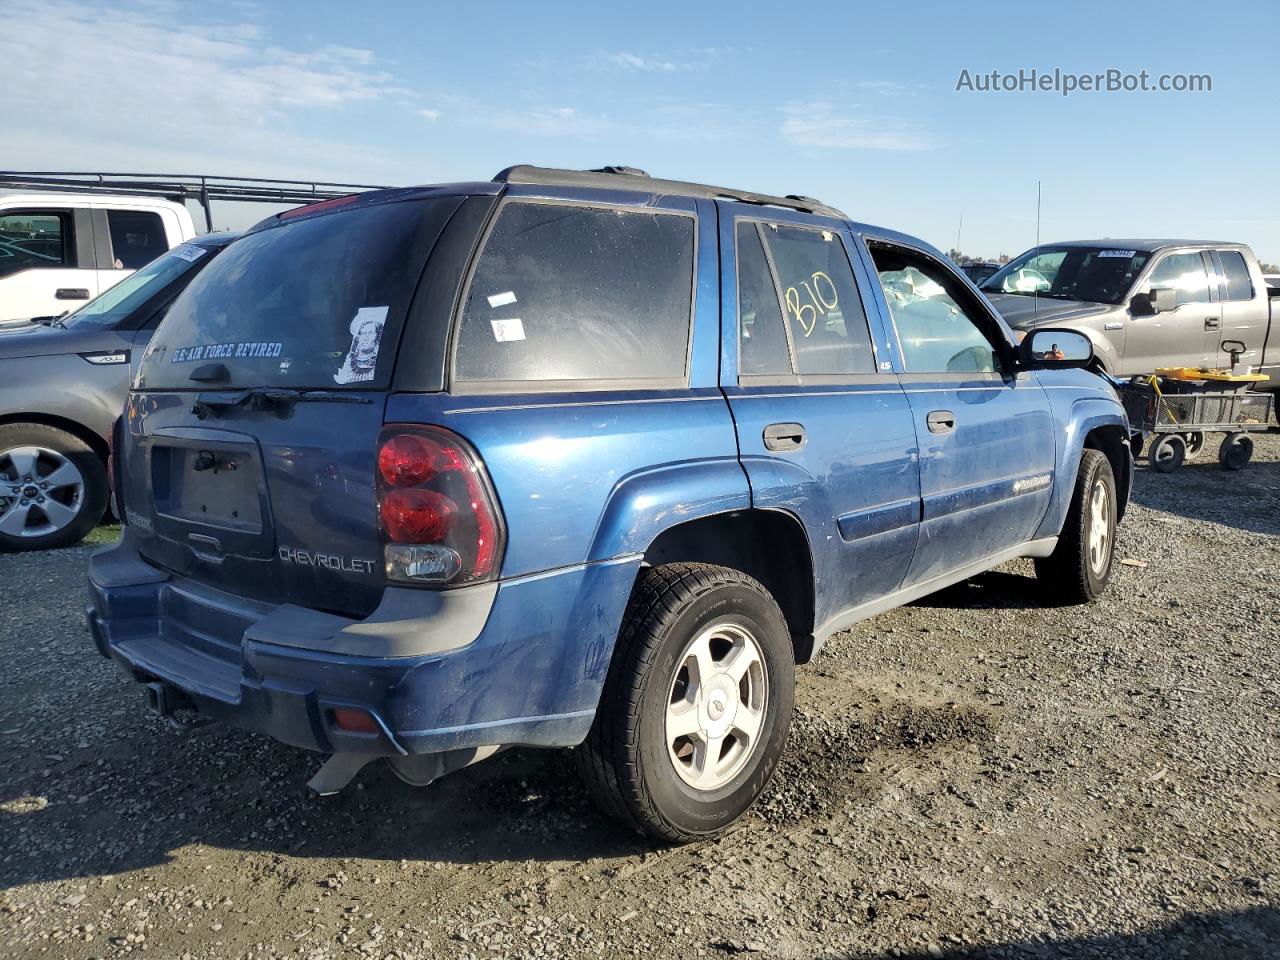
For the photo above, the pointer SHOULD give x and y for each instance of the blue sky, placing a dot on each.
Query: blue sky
(849, 102)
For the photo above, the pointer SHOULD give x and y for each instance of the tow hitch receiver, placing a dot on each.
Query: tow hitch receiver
(166, 700)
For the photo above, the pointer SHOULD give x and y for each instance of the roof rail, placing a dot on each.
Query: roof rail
(203, 188)
(630, 178)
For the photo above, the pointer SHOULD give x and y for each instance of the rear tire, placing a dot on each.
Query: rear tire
(697, 704)
(53, 487)
(1079, 568)
(1168, 451)
(1236, 451)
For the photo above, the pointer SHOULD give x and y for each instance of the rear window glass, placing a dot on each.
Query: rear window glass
(137, 238)
(573, 293)
(314, 304)
(1239, 285)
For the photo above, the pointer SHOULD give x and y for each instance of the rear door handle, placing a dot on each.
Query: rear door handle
(784, 436)
(941, 421)
(71, 293)
(1212, 323)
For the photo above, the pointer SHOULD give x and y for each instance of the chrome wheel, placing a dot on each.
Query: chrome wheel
(41, 492)
(1099, 528)
(716, 707)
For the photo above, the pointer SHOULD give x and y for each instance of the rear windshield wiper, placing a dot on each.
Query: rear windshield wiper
(262, 398)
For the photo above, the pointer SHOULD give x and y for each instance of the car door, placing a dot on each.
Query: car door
(1177, 337)
(986, 435)
(824, 427)
(1245, 313)
(46, 260)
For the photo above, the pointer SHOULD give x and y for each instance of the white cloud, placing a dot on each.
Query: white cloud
(890, 87)
(818, 123)
(680, 61)
(430, 114)
(144, 76)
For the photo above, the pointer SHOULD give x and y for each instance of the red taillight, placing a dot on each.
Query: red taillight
(417, 516)
(440, 519)
(407, 460)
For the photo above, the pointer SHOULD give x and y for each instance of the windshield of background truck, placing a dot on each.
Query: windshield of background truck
(312, 304)
(1093, 274)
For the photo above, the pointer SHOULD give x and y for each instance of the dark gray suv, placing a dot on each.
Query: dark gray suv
(63, 382)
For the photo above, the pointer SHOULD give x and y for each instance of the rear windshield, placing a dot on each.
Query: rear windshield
(315, 304)
(117, 303)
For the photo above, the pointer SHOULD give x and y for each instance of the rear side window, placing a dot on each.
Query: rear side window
(316, 303)
(825, 319)
(811, 321)
(1236, 273)
(34, 241)
(762, 341)
(137, 238)
(564, 292)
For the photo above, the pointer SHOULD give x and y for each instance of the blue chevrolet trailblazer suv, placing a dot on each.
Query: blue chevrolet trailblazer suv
(577, 459)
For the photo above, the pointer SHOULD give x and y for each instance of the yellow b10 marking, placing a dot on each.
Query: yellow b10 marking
(806, 314)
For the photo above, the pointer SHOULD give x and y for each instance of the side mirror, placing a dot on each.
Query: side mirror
(1163, 299)
(1050, 348)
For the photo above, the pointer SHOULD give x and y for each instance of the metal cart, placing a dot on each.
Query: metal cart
(1175, 409)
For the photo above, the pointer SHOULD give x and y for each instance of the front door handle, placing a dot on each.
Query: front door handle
(71, 293)
(941, 421)
(1212, 323)
(784, 436)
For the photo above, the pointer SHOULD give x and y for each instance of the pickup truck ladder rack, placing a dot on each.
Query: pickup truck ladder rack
(180, 187)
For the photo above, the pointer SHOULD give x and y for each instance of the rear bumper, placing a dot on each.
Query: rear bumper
(518, 662)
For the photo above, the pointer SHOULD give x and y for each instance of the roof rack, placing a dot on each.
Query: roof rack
(203, 188)
(631, 178)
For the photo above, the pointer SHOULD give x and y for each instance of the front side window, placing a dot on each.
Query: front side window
(137, 238)
(939, 327)
(1185, 274)
(1236, 273)
(565, 292)
(34, 241)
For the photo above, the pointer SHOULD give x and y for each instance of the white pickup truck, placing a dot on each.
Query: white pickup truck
(58, 250)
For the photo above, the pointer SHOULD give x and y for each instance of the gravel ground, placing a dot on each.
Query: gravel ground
(974, 775)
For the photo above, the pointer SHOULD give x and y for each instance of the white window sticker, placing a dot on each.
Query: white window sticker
(189, 252)
(501, 299)
(504, 331)
(366, 337)
(1117, 253)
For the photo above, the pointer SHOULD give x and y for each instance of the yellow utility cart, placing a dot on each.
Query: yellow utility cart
(1177, 407)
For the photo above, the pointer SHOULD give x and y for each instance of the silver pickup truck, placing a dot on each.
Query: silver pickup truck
(1148, 303)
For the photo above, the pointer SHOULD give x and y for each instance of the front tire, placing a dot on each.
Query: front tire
(1079, 568)
(697, 704)
(53, 487)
